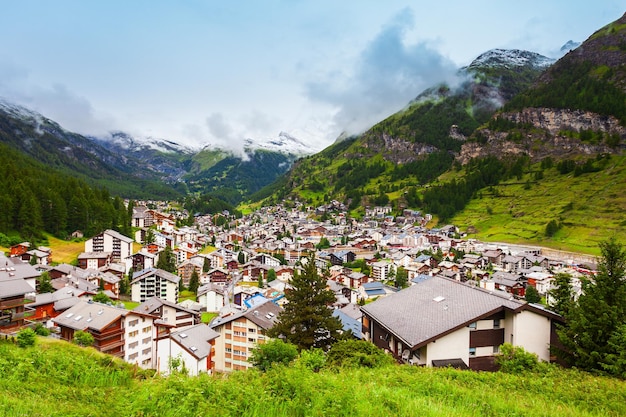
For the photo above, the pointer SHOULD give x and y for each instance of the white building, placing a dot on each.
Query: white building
(154, 282)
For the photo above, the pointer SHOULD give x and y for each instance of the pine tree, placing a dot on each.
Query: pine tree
(194, 281)
(595, 324)
(167, 260)
(561, 296)
(307, 321)
(532, 296)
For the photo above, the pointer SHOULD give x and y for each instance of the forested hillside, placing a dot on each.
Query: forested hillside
(36, 199)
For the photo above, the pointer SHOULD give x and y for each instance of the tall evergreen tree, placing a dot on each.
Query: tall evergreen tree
(167, 260)
(561, 297)
(596, 322)
(307, 321)
(194, 281)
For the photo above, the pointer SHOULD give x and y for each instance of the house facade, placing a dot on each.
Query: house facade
(240, 333)
(118, 245)
(440, 322)
(154, 282)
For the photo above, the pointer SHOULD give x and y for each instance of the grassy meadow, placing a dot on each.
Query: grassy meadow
(55, 378)
(65, 251)
(589, 207)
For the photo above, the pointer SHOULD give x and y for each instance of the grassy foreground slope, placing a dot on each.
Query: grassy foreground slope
(58, 379)
(588, 207)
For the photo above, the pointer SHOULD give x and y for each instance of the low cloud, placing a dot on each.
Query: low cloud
(72, 111)
(388, 74)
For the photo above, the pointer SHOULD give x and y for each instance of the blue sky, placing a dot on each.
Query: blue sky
(202, 72)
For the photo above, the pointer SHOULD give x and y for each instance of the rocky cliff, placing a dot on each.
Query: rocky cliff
(545, 132)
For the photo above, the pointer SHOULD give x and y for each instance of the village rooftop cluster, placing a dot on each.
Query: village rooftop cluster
(460, 301)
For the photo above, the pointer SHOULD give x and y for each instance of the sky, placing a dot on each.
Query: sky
(206, 72)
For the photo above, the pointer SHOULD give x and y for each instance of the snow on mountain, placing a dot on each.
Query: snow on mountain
(510, 58)
(283, 143)
(138, 143)
(27, 115)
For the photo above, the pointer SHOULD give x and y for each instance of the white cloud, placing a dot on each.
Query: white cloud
(388, 74)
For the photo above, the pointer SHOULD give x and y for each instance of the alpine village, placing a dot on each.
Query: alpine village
(465, 256)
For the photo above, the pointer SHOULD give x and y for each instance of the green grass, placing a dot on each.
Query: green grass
(129, 305)
(59, 379)
(207, 317)
(590, 208)
(65, 251)
(186, 295)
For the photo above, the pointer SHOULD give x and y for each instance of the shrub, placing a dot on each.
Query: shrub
(357, 353)
(41, 330)
(273, 352)
(515, 359)
(313, 359)
(26, 337)
(82, 338)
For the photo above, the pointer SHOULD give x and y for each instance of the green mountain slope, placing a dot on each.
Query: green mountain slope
(55, 378)
(414, 146)
(454, 154)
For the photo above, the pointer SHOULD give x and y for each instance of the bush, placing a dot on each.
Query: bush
(41, 330)
(82, 338)
(515, 359)
(26, 337)
(273, 352)
(313, 359)
(357, 354)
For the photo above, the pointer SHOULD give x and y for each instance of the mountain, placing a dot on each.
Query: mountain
(417, 144)
(520, 150)
(126, 164)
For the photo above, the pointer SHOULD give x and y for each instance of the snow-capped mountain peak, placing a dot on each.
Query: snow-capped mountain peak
(283, 143)
(510, 58)
(136, 143)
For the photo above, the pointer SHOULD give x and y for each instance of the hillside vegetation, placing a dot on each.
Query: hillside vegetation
(55, 378)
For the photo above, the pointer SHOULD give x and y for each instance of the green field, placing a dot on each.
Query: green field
(590, 208)
(55, 378)
(65, 251)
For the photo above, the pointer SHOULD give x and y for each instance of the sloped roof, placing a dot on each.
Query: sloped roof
(434, 307)
(195, 339)
(90, 315)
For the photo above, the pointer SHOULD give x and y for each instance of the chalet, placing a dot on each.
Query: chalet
(116, 331)
(380, 270)
(154, 282)
(239, 333)
(341, 257)
(173, 314)
(94, 260)
(494, 257)
(142, 217)
(41, 255)
(49, 305)
(187, 268)
(19, 249)
(211, 297)
(16, 281)
(218, 276)
(143, 259)
(193, 346)
(504, 281)
(439, 322)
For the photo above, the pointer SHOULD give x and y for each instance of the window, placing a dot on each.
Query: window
(472, 326)
(496, 349)
(496, 324)
(133, 333)
(133, 323)
(251, 330)
(147, 329)
(472, 352)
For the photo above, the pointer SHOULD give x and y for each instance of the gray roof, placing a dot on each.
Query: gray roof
(434, 307)
(90, 315)
(138, 276)
(14, 288)
(118, 235)
(16, 269)
(154, 303)
(264, 316)
(195, 339)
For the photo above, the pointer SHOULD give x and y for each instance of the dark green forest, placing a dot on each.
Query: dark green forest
(37, 199)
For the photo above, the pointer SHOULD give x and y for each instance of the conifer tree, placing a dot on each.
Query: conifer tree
(194, 281)
(307, 321)
(167, 260)
(596, 323)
